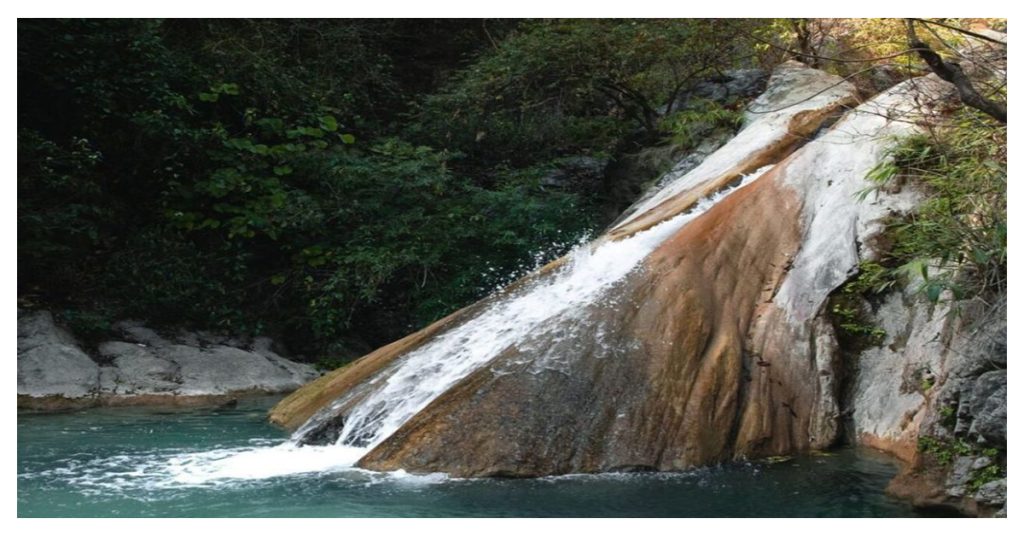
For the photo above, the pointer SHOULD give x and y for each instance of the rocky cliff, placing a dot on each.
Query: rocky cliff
(933, 393)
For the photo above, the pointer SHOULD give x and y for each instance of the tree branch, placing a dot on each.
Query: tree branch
(954, 74)
(961, 30)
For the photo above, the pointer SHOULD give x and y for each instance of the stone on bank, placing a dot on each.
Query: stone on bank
(55, 373)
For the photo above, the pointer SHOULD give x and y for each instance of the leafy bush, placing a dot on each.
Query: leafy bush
(848, 306)
(698, 120)
(945, 451)
(559, 87)
(956, 240)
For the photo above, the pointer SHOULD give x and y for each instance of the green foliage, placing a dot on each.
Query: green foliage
(985, 475)
(872, 279)
(700, 119)
(848, 304)
(90, 326)
(559, 87)
(947, 416)
(871, 53)
(336, 183)
(956, 240)
(852, 325)
(944, 451)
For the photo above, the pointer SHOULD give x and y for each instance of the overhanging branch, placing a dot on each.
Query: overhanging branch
(954, 74)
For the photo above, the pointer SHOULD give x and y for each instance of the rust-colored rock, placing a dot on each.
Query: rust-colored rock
(656, 382)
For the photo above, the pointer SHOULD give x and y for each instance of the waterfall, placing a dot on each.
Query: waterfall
(408, 386)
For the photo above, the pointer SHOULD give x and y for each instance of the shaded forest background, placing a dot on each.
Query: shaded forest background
(339, 183)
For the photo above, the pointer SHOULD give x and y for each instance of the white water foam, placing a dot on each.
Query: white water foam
(258, 463)
(427, 372)
(137, 474)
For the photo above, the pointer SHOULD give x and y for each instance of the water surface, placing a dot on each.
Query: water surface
(134, 462)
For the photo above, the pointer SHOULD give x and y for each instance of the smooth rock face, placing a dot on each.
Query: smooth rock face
(889, 395)
(654, 382)
(54, 373)
(714, 349)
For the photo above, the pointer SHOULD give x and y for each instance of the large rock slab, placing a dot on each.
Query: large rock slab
(892, 382)
(136, 369)
(714, 349)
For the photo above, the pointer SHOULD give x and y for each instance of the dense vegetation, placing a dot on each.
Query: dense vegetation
(332, 182)
(956, 240)
(337, 183)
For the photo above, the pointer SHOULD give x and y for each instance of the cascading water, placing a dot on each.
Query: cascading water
(401, 391)
(425, 373)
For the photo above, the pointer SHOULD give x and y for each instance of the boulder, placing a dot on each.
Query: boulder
(988, 404)
(134, 331)
(37, 328)
(959, 476)
(577, 173)
(50, 361)
(992, 493)
(729, 87)
(225, 369)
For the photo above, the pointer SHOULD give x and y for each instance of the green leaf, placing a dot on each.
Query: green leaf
(271, 124)
(209, 97)
(348, 139)
(328, 123)
(282, 170)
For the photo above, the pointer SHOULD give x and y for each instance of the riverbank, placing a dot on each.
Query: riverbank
(56, 372)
